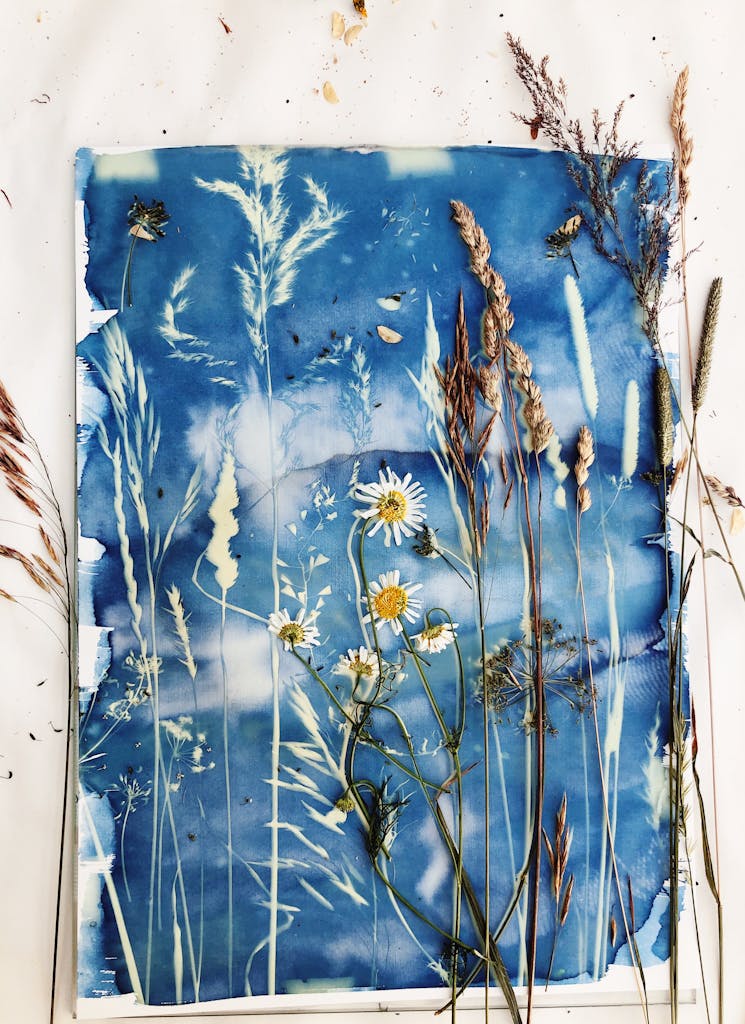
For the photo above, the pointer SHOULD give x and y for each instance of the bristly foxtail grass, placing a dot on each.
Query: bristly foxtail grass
(26, 476)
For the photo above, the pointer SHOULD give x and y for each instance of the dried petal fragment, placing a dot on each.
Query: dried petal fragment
(359, 6)
(389, 336)
(329, 93)
(337, 25)
(351, 34)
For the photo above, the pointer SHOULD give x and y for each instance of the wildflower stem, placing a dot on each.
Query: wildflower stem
(127, 277)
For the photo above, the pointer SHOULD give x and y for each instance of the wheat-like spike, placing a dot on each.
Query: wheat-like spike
(706, 344)
(664, 407)
(683, 138)
(585, 455)
(475, 240)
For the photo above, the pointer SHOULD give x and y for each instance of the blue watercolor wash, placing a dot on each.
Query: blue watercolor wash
(334, 919)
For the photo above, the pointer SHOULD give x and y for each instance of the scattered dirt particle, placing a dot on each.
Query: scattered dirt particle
(225, 25)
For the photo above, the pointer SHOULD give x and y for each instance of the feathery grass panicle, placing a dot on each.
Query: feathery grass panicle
(182, 629)
(706, 344)
(218, 551)
(664, 410)
(596, 162)
(683, 140)
(272, 263)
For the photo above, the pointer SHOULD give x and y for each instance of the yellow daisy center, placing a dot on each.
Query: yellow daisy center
(433, 632)
(392, 507)
(292, 632)
(361, 668)
(390, 602)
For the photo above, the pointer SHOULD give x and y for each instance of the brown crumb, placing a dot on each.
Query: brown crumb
(359, 6)
(225, 25)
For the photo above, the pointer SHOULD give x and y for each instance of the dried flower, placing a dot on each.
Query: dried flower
(395, 504)
(390, 601)
(293, 632)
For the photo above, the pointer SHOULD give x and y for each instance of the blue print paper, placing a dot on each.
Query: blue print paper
(331, 528)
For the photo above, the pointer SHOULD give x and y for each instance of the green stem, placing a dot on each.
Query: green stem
(127, 278)
(228, 804)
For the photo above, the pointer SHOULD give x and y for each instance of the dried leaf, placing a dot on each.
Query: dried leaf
(388, 336)
(337, 25)
(351, 34)
(329, 93)
(359, 6)
(737, 521)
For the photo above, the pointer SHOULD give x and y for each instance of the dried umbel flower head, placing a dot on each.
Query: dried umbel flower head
(706, 344)
(664, 406)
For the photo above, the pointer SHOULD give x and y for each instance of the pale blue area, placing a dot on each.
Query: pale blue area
(396, 239)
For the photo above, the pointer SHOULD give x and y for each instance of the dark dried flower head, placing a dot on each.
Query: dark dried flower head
(147, 221)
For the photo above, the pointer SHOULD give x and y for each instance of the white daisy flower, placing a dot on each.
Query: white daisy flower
(436, 638)
(359, 663)
(293, 632)
(390, 600)
(396, 505)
